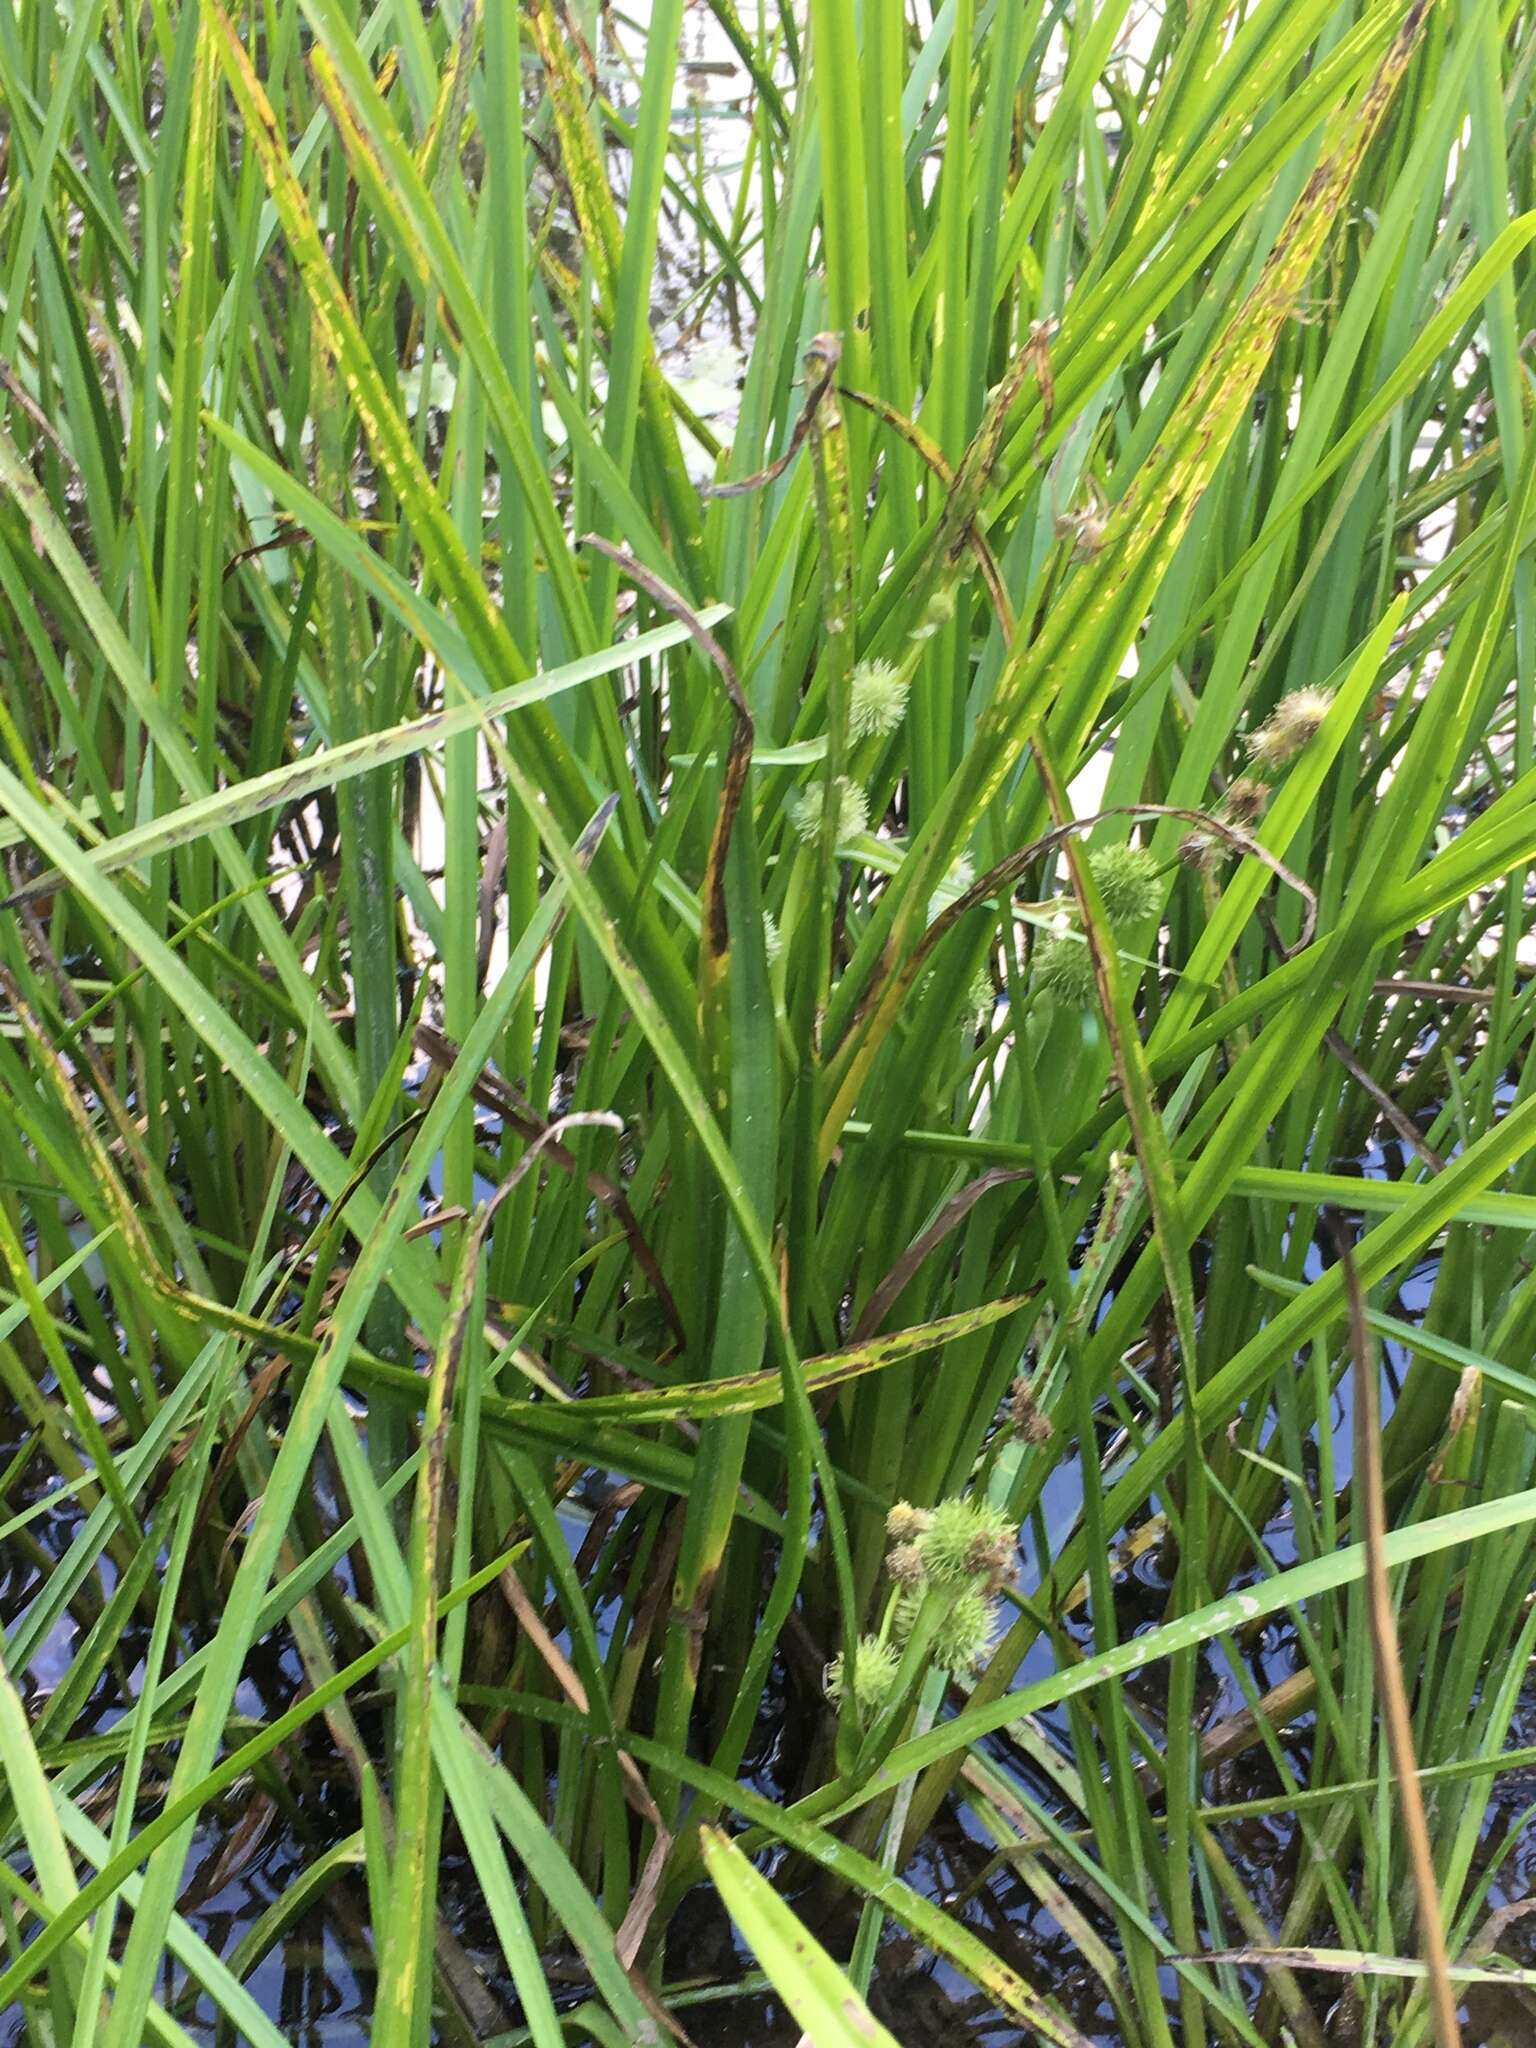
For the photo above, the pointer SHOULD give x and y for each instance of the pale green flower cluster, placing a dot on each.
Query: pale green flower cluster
(1127, 880)
(877, 700)
(852, 810)
(960, 1552)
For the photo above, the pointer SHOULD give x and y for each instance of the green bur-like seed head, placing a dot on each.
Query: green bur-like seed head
(875, 1665)
(965, 1632)
(877, 700)
(1064, 968)
(1127, 879)
(852, 810)
(967, 1540)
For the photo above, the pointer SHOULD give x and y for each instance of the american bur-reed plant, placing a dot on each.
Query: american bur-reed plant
(600, 990)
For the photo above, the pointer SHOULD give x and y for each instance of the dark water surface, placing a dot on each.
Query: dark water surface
(317, 1982)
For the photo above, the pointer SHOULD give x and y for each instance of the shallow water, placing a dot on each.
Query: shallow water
(317, 1983)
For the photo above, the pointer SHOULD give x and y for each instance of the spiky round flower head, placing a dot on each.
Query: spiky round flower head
(905, 1564)
(1029, 1421)
(1085, 526)
(773, 938)
(909, 1605)
(877, 700)
(1246, 800)
(1201, 851)
(994, 1558)
(967, 1540)
(852, 810)
(941, 609)
(1291, 726)
(875, 1665)
(904, 1523)
(1064, 969)
(965, 1632)
(1127, 879)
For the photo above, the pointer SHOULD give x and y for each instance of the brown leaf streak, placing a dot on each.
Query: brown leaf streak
(949, 1218)
(1371, 1508)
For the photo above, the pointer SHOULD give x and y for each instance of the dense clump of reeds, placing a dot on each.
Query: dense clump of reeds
(637, 1028)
